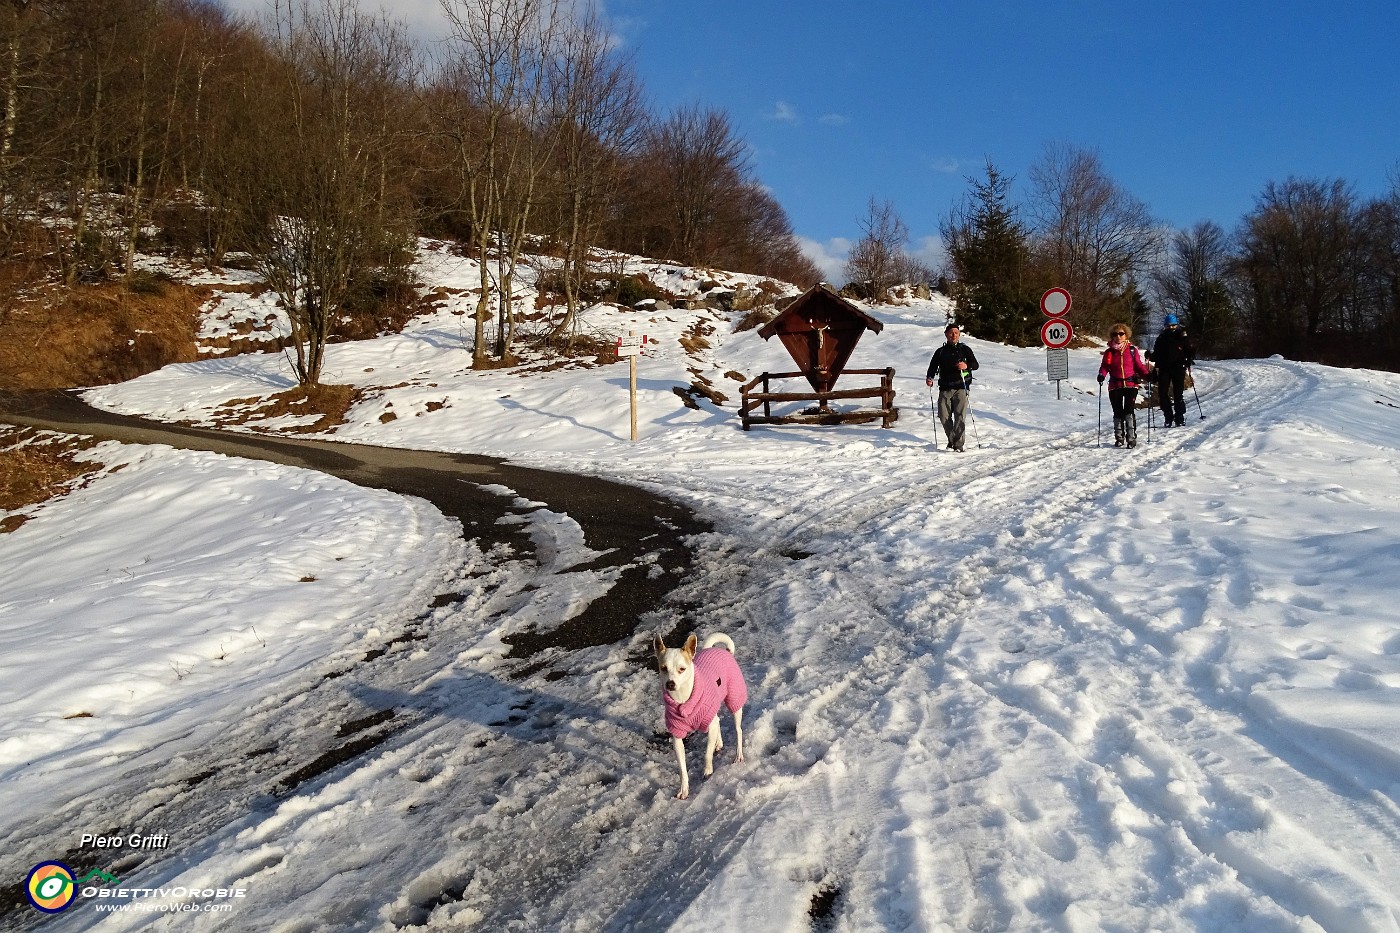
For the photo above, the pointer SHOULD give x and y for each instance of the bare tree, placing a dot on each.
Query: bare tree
(1093, 237)
(878, 257)
(602, 124)
(1299, 252)
(762, 240)
(1382, 268)
(692, 165)
(139, 100)
(317, 211)
(19, 29)
(95, 40)
(503, 92)
(33, 143)
(1194, 284)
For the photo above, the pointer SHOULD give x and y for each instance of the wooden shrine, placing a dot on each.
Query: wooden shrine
(820, 331)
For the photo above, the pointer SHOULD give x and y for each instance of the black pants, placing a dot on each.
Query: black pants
(1124, 416)
(1123, 401)
(1171, 388)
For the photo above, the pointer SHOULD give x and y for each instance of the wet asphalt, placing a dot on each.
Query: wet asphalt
(627, 522)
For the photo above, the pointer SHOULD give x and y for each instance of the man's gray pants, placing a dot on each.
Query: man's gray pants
(952, 411)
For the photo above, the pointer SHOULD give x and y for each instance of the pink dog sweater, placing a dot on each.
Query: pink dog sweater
(717, 678)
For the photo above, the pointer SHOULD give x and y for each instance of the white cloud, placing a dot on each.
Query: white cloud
(425, 20)
(835, 119)
(830, 256)
(932, 252)
(783, 112)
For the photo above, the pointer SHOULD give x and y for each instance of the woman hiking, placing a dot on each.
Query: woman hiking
(1123, 366)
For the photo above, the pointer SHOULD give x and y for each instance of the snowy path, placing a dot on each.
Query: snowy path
(1004, 664)
(1044, 718)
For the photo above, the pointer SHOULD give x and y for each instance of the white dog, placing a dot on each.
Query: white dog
(695, 684)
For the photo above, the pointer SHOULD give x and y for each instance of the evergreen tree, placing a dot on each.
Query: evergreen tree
(988, 248)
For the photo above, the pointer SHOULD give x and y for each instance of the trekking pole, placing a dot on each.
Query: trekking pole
(933, 406)
(967, 381)
(1197, 394)
(1098, 435)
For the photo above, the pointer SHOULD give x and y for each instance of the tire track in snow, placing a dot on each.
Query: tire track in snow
(1069, 487)
(1241, 822)
(628, 854)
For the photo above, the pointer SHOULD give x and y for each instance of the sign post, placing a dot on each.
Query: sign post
(1056, 334)
(631, 347)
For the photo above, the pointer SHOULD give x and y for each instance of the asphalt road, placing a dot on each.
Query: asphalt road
(624, 521)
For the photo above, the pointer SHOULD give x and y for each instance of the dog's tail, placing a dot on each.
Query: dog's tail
(719, 638)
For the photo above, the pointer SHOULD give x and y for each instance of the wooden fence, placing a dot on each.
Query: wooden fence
(886, 413)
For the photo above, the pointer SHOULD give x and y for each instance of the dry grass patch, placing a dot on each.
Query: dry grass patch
(755, 319)
(54, 337)
(329, 403)
(581, 351)
(36, 466)
(693, 340)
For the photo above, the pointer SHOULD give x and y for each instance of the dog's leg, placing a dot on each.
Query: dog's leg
(739, 734)
(712, 743)
(680, 759)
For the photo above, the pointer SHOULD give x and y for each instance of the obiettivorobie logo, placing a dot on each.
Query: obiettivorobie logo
(51, 886)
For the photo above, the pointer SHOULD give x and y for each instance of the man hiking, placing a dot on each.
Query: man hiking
(1173, 354)
(951, 367)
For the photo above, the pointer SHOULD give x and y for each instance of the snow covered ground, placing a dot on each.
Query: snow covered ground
(1040, 685)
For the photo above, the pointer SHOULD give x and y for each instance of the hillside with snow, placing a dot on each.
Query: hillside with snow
(1041, 685)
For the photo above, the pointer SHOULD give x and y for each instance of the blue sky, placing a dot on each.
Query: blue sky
(1191, 106)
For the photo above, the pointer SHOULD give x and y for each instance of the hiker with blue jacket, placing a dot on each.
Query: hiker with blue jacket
(951, 367)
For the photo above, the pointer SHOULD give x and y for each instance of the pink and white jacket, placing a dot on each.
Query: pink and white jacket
(1124, 366)
(717, 679)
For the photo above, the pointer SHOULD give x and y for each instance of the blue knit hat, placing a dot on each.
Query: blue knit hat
(1171, 319)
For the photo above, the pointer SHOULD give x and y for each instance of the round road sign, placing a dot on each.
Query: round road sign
(1056, 333)
(1055, 303)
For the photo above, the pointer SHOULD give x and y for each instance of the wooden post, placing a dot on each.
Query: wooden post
(630, 346)
(632, 391)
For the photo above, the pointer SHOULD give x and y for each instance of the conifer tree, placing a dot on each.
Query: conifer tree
(989, 251)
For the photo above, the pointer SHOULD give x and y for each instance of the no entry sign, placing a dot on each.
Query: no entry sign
(1056, 333)
(1055, 303)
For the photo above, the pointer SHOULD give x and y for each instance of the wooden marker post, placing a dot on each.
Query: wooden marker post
(631, 347)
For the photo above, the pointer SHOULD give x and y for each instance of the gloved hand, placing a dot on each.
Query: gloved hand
(1100, 378)
(1190, 363)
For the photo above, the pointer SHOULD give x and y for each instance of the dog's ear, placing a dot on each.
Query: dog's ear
(691, 644)
(658, 645)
